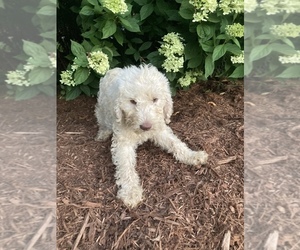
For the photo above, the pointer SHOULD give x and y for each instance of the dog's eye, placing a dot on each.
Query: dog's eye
(155, 99)
(133, 102)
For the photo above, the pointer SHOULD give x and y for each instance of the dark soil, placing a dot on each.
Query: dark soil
(184, 207)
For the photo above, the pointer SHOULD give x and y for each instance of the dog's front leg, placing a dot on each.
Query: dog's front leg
(124, 158)
(169, 142)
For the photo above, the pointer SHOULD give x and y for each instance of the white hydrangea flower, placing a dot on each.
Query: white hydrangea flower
(28, 66)
(229, 6)
(115, 6)
(286, 30)
(172, 48)
(203, 8)
(17, 77)
(98, 61)
(237, 59)
(52, 58)
(173, 63)
(74, 66)
(294, 59)
(250, 5)
(67, 78)
(273, 7)
(189, 78)
(235, 30)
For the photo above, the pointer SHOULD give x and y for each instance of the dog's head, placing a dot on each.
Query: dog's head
(144, 101)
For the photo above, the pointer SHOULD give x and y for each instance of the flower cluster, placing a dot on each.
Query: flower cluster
(229, 6)
(172, 48)
(52, 58)
(203, 8)
(237, 59)
(290, 59)
(286, 30)
(189, 78)
(98, 61)
(115, 6)
(250, 5)
(273, 7)
(67, 78)
(17, 77)
(235, 30)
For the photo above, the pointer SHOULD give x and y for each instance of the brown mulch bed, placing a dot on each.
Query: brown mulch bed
(28, 173)
(184, 207)
(272, 176)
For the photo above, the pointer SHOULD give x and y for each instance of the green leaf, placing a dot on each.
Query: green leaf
(205, 31)
(233, 48)
(73, 93)
(77, 49)
(39, 75)
(26, 93)
(130, 24)
(33, 49)
(81, 74)
(46, 89)
(93, 2)
(194, 62)
(259, 52)
(145, 46)
(283, 49)
(191, 49)
(209, 66)
(238, 72)
(87, 11)
(136, 56)
(119, 36)
(108, 52)
(47, 11)
(81, 61)
(109, 29)
(85, 89)
(49, 34)
(146, 11)
(186, 10)
(218, 52)
(155, 58)
(2, 4)
(207, 46)
(291, 72)
(141, 2)
(186, 13)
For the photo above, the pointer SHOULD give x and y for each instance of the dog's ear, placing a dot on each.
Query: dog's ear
(118, 112)
(168, 109)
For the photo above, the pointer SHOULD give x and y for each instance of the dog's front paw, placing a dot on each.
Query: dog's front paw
(103, 135)
(131, 195)
(199, 157)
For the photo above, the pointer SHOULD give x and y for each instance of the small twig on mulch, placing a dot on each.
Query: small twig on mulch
(227, 160)
(226, 241)
(116, 245)
(271, 243)
(273, 160)
(41, 230)
(86, 220)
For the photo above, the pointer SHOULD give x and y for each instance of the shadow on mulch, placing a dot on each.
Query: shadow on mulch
(184, 207)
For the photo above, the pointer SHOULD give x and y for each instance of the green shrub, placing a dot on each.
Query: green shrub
(272, 47)
(186, 39)
(35, 72)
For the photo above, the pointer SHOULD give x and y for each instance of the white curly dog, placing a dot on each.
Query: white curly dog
(134, 105)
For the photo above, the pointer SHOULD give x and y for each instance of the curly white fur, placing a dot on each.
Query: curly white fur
(135, 105)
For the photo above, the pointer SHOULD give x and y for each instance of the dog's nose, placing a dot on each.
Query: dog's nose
(146, 126)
